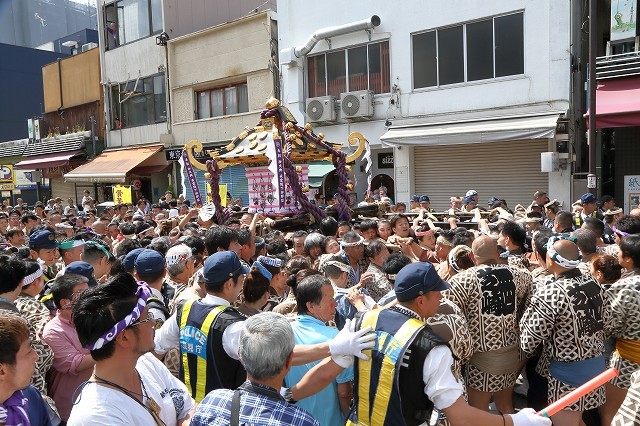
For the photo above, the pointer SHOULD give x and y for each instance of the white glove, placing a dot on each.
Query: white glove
(351, 343)
(344, 361)
(528, 417)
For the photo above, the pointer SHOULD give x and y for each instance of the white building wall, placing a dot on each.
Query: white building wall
(543, 87)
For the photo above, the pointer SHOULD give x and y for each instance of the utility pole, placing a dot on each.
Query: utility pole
(591, 138)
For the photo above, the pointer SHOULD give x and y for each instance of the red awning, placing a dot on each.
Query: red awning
(617, 103)
(47, 160)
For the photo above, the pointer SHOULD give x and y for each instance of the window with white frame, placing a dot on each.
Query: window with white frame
(357, 68)
(130, 20)
(480, 50)
(219, 101)
(138, 102)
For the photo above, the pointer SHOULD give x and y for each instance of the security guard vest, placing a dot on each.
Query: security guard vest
(205, 365)
(389, 389)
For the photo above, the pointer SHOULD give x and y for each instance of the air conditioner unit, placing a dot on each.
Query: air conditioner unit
(321, 109)
(89, 46)
(357, 105)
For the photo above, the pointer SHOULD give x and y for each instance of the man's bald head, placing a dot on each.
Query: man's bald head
(567, 249)
(485, 248)
(634, 212)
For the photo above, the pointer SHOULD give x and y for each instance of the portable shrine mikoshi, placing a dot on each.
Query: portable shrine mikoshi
(276, 155)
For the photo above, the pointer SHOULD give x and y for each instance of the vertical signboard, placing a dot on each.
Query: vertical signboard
(623, 19)
(631, 192)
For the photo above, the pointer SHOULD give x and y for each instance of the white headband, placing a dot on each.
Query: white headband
(31, 277)
(353, 244)
(565, 263)
(178, 258)
(340, 265)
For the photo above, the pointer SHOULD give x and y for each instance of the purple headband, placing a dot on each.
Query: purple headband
(143, 292)
(619, 232)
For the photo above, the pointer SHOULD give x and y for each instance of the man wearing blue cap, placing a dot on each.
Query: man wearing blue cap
(425, 202)
(208, 331)
(589, 209)
(44, 249)
(150, 267)
(415, 204)
(409, 370)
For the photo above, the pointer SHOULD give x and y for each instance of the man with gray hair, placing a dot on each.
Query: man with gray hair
(180, 268)
(266, 350)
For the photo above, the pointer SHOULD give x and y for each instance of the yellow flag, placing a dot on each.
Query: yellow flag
(121, 194)
(223, 195)
(222, 190)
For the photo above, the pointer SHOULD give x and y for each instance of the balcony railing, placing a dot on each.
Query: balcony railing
(615, 66)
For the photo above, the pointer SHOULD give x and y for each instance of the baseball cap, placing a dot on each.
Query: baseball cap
(416, 198)
(42, 239)
(417, 279)
(221, 266)
(149, 262)
(469, 200)
(471, 193)
(588, 198)
(424, 199)
(81, 268)
(130, 259)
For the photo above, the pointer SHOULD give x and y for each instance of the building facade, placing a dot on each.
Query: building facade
(220, 79)
(451, 96)
(147, 60)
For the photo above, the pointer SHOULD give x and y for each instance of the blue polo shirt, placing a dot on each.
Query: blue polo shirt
(323, 406)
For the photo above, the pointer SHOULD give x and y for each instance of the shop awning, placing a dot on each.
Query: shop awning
(114, 165)
(617, 103)
(509, 128)
(47, 160)
(317, 172)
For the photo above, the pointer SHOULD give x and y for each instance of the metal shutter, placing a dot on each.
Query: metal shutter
(238, 185)
(509, 170)
(233, 176)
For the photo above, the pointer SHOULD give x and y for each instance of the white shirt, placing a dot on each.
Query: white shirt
(168, 337)
(102, 405)
(157, 313)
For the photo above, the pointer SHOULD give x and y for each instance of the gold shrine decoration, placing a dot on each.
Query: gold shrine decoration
(355, 139)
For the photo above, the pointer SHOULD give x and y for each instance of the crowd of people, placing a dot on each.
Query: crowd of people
(154, 314)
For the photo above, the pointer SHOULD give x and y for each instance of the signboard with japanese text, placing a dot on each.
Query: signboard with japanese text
(222, 190)
(175, 154)
(631, 192)
(121, 194)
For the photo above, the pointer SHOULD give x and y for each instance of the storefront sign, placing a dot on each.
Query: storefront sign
(53, 172)
(6, 173)
(623, 19)
(631, 192)
(175, 154)
(5, 194)
(24, 179)
(385, 160)
(121, 194)
(7, 187)
(222, 190)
